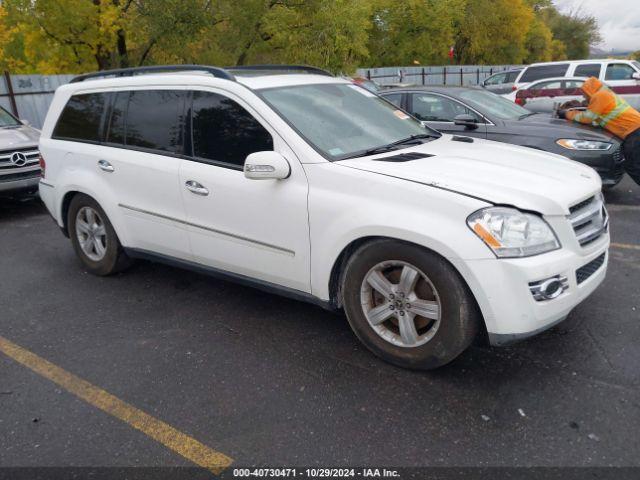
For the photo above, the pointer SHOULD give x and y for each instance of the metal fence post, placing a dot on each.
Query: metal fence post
(12, 96)
(368, 74)
(423, 83)
(444, 75)
(461, 77)
(478, 76)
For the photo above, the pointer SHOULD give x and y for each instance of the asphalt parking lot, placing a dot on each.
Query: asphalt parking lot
(264, 380)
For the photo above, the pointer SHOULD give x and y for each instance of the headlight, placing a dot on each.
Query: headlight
(511, 233)
(574, 144)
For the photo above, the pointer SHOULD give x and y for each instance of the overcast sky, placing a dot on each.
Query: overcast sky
(619, 20)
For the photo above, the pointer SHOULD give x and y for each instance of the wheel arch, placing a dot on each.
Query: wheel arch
(338, 268)
(64, 210)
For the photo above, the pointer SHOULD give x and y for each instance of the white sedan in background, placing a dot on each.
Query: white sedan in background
(542, 95)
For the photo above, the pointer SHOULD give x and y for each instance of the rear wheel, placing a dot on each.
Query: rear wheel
(408, 305)
(93, 237)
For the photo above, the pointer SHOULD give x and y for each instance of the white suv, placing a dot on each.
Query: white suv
(310, 186)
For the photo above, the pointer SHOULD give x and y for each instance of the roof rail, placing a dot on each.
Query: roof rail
(280, 68)
(130, 72)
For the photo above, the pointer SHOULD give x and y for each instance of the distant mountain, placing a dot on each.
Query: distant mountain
(596, 52)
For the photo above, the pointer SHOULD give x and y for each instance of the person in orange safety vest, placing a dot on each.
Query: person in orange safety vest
(607, 110)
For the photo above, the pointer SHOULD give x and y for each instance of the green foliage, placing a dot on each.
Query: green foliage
(539, 42)
(575, 30)
(51, 36)
(413, 31)
(494, 31)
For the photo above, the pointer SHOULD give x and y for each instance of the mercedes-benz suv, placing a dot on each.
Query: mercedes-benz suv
(297, 182)
(19, 169)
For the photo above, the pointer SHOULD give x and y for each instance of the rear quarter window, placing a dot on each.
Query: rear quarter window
(82, 118)
(588, 70)
(511, 77)
(531, 74)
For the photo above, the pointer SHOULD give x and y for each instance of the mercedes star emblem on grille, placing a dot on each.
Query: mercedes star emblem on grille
(19, 159)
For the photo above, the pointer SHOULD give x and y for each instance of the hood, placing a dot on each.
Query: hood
(591, 86)
(21, 136)
(560, 128)
(495, 172)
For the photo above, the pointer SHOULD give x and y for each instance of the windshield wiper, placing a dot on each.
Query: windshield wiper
(412, 139)
(527, 115)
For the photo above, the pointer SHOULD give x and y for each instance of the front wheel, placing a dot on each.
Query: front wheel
(408, 305)
(93, 237)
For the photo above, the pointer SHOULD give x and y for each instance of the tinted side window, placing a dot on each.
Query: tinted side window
(395, 98)
(554, 84)
(496, 79)
(588, 70)
(225, 132)
(81, 118)
(115, 132)
(155, 120)
(544, 71)
(511, 76)
(434, 108)
(619, 71)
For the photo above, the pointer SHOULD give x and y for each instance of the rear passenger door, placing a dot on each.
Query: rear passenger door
(146, 138)
(253, 228)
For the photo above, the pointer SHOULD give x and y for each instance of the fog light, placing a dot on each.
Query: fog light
(549, 288)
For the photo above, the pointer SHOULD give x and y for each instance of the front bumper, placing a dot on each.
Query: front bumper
(26, 182)
(501, 287)
(608, 164)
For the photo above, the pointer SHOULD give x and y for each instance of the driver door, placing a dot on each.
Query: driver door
(439, 112)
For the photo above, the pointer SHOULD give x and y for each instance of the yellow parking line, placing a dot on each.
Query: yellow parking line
(627, 246)
(168, 436)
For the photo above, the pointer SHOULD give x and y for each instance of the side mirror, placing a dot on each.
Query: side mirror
(635, 75)
(266, 166)
(466, 120)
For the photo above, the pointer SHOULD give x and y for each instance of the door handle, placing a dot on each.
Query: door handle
(196, 188)
(105, 166)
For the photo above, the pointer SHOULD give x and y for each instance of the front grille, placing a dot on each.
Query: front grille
(31, 157)
(19, 176)
(589, 269)
(618, 156)
(589, 220)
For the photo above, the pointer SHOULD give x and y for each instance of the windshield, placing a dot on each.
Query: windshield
(493, 105)
(340, 120)
(6, 119)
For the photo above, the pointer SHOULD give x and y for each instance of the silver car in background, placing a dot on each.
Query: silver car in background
(502, 82)
(19, 156)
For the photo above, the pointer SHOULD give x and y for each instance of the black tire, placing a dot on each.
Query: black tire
(459, 320)
(115, 259)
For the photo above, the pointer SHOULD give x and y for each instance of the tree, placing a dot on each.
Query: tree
(494, 31)
(80, 35)
(538, 42)
(413, 30)
(55, 36)
(577, 31)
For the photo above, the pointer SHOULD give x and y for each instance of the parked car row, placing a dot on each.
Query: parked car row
(300, 183)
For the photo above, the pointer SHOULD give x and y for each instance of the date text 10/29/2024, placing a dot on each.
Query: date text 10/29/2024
(315, 472)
